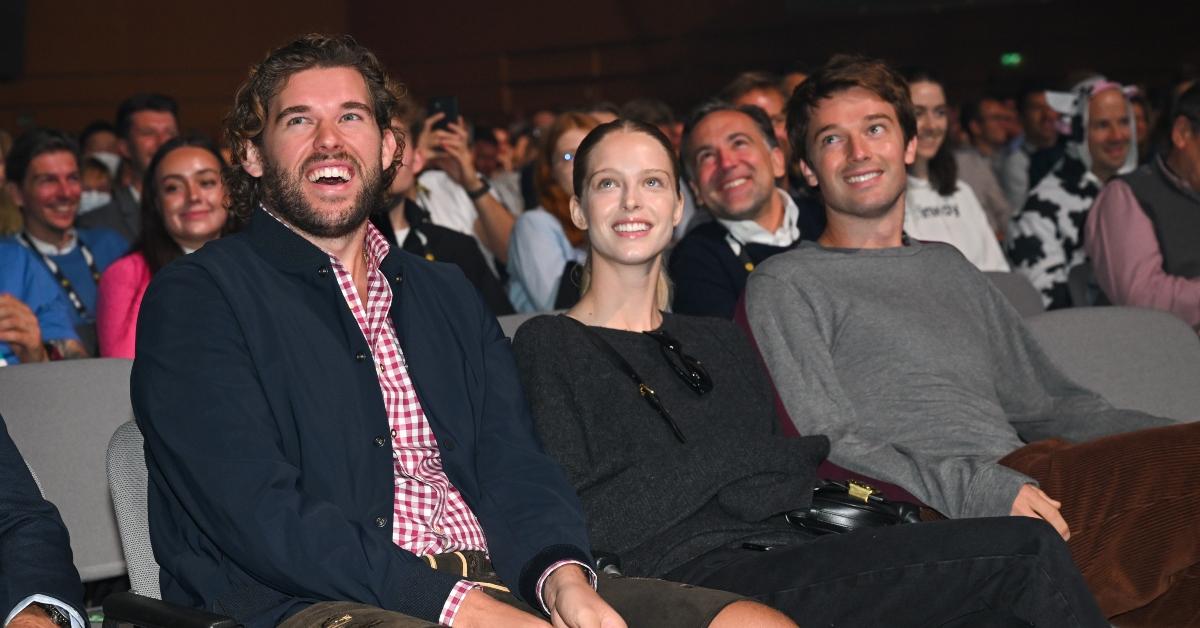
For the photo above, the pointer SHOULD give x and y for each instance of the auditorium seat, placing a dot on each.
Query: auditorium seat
(61, 414)
(1136, 358)
(141, 605)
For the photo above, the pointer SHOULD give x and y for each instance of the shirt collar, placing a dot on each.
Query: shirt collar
(46, 248)
(376, 245)
(747, 231)
(1173, 178)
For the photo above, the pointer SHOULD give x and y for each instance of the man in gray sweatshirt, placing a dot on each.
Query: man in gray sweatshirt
(921, 374)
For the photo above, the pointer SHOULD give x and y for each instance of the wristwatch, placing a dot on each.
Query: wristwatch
(56, 614)
(483, 189)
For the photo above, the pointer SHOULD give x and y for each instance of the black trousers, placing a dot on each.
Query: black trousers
(1005, 571)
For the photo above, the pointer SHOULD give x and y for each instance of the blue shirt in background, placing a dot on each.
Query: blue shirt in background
(24, 276)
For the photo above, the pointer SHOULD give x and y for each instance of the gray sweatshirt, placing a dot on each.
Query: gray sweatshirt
(918, 370)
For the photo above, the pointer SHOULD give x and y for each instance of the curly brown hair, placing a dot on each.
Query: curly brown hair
(246, 121)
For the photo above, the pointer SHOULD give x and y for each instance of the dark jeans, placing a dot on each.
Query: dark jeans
(1006, 571)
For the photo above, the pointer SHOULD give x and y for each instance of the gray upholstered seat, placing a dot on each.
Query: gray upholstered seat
(61, 414)
(127, 479)
(510, 322)
(1136, 358)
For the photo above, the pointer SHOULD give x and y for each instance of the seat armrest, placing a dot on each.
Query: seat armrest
(126, 608)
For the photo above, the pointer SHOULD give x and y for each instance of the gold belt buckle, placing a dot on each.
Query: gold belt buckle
(337, 622)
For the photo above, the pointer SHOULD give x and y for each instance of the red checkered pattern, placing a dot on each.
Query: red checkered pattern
(454, 600)
(430, 516)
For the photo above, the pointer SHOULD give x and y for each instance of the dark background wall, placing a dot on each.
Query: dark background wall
(503, 59)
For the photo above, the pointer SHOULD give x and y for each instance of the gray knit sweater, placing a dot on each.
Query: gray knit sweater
(918, 370)
(652, 500)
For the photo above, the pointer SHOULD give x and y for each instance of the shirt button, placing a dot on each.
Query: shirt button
(448, 444)
(360, 356)
(323, 271)
(380, 522)
(398, 278)
(380, 441)
(393, 433)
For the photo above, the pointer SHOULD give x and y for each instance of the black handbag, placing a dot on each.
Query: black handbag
(845, 506)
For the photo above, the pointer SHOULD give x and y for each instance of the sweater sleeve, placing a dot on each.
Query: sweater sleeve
(1126, 258)
(1040, 401)
(796, 341)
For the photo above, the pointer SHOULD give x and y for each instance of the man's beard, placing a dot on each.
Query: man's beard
(283, 195)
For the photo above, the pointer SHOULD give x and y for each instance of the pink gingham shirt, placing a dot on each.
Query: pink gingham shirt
(430, 516)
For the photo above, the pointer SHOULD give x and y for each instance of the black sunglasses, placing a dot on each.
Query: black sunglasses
(689, 369)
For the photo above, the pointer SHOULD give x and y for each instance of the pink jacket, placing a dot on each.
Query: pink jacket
(117, 305)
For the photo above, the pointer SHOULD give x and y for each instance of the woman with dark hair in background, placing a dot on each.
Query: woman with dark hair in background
(183, 206)
(544, 241)
(939, 206)
(665, 426)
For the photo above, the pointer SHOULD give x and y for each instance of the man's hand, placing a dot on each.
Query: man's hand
(19, 328)
(480, 610)
(573, 603)
(1032, 501)
(454, 152)
(32, 617)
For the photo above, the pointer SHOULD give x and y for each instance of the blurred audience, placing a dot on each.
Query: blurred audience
(1143, 233)
(1038, 148)
(404, 223)
(793, 77)
(457, 195)
(44, 180)
(183, 206)
(96, 183)
(10, 214)
(939, 206)
(144, 123)
(1045, 239)
(762, 90)
(35, 319)
(986, 122)
(546, 244)
(493, 157)
(99, 140)
(1142, 124)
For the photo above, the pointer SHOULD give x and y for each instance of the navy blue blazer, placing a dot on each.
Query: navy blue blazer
(267, 442)
(35, 551)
